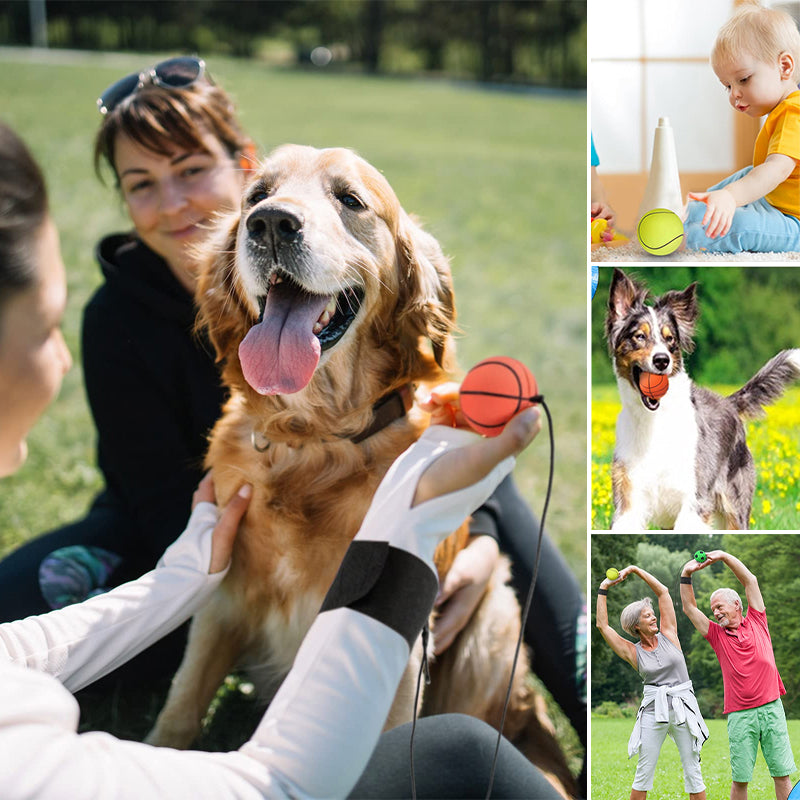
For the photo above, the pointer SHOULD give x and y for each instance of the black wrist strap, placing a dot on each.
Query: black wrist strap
(602, 591)
(386, 583)
(686, 579)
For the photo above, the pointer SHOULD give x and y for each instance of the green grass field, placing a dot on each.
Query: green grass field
(612, 772)
(773, 442)
(498, 177)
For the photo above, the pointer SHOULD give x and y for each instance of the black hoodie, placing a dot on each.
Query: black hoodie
(154, 392)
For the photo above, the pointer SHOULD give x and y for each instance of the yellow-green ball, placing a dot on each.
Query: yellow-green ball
(660, 231)
(612, 574)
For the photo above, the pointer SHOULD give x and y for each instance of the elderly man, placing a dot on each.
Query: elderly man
(752, 684)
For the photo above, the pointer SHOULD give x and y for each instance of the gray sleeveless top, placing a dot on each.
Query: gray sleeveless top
(663, 666)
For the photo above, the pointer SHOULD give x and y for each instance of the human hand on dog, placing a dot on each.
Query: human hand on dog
(226, 529)
(463, 588)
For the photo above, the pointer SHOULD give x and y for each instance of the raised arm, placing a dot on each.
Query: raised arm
(624, 648)
(696, 616)
(743, 575)
(666, 608)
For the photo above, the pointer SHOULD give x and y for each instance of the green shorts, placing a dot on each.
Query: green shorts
(765, 724)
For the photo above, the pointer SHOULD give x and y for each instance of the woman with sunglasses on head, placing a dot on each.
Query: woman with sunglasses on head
(179, 156)
(324, 723)
(153, 388)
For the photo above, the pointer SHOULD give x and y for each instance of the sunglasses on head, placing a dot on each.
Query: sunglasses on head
(174, 73)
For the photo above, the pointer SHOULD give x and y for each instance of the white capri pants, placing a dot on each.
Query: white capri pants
(653, 735)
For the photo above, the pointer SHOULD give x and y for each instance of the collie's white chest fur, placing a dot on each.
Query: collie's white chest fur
(657, 450)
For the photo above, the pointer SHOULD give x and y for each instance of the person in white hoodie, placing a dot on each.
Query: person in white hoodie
(668, 704)
(320, 731)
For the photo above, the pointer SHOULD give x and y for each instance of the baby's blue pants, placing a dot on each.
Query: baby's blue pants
(757, 227)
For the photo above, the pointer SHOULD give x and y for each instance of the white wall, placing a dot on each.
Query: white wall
(649, 59)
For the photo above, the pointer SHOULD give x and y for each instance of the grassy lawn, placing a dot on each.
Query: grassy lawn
(772, 440)
(498, 177)
(612, 772)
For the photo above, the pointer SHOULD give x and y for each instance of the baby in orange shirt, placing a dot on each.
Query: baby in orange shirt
(757, 58)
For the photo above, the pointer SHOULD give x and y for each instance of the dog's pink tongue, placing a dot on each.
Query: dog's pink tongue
(280, 353)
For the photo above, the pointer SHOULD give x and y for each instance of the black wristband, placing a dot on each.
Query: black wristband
(602, 591)
(686, 579)
(386, 583)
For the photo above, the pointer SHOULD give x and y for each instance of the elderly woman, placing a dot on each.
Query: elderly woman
(668, 705)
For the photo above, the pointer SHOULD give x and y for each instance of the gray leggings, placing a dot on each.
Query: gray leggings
(653, 735)
(452, 759)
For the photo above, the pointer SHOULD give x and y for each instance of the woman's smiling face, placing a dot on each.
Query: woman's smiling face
(173, 199)
(648, 622)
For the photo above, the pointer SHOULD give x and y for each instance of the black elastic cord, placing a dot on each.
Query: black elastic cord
(529, 599)
(423, 667)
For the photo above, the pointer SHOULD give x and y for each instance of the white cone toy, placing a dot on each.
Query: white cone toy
(663, 189)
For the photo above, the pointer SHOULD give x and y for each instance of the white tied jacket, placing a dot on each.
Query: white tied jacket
(683, 702)
(321, 727)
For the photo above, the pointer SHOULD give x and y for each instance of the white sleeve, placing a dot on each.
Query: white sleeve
(85, 641)
(322, 725)
(42, 757)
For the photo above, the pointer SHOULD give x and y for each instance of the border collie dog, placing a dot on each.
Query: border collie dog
(680, 461)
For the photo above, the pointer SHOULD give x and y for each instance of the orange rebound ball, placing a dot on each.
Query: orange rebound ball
(653, 385)
(495, 390)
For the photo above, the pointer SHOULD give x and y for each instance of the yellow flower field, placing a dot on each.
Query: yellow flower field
(774, 442)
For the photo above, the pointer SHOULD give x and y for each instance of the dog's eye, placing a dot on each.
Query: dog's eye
(350, 201)
(256, 197)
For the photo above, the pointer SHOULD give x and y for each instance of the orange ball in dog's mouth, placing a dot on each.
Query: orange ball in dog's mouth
(653, 385)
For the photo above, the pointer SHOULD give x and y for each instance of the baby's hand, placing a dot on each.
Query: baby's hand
(720, 208)
(444, 407)
(604, 211)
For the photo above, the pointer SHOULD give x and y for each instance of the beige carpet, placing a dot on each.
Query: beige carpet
(630, 251)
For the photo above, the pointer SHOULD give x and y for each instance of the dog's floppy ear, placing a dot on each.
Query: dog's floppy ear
(219, 313)
(426, 305)
(685, 309)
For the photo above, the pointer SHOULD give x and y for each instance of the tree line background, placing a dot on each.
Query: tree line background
(747, 315)
(512, 41)
(775, 561)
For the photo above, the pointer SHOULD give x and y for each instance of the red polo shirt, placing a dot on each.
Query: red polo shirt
(749, 673)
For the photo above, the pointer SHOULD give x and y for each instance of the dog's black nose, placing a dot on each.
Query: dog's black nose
(276, 222)
(660, 361)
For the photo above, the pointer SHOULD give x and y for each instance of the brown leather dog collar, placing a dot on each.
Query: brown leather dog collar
(385, 411)
(389, 408)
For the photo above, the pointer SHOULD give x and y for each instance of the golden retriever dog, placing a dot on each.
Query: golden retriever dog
(327, 305)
